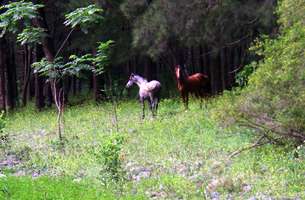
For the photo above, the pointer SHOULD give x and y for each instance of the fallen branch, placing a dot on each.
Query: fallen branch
(259, 129)
(276, 129)
(254, 145)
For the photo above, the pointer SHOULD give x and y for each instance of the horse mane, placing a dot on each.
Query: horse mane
(140, 77)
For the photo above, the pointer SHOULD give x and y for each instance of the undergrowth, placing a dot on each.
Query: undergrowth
(180, 154)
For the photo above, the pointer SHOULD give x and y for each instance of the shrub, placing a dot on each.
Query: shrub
(110, 156)
(242, 77)
(273, 101)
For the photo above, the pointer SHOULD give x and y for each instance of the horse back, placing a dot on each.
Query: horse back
(153, 86)
(198, 80)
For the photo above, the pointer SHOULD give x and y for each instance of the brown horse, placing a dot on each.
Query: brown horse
(197, 84)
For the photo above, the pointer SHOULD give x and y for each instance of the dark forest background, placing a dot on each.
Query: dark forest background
(151, 36)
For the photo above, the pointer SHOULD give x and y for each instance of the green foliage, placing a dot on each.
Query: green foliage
(223, 108)
(300, 152)
(160, 26)
(291, 13)
(110, 156)
(18, 15)
(76, 64)
(52, 69)
(84, 17)
(4, 137)
(2, 121)
(242, 77)
(58, 69)
(16, 12)
(273, 101)
(101, 61)
(277, 88)
(31, 36)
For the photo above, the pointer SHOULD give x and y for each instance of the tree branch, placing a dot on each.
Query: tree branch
(254, 145)
(64, 42)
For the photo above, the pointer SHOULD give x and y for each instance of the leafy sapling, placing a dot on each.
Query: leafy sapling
(19, 18)
(57, 69)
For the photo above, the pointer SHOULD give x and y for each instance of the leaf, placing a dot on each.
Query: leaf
(15, 13)
(84, 17)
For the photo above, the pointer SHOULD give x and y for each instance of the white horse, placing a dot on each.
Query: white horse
(149, 91)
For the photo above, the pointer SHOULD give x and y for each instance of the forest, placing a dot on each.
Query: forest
(152, 99)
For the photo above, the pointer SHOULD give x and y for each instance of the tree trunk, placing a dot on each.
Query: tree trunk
(48, 94)
(211, 70)
(222, 68)
(47, 47)
(79, 86)
(217, 79)
(3, 63)
(47, 42)
(229, 58)
(39, 83)
(208, 62)
(236, 61)
(49, 52)
(27, 74)
(98, 87)
(192, 55)
(39, 97)
(73, 85)
(203, 60)
(11, 99)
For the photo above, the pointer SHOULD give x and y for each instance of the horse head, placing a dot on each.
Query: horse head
(181, 72)
(177, 71)
(131, 80)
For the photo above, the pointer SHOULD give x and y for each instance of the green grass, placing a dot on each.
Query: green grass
(184, 151)
(26, 188)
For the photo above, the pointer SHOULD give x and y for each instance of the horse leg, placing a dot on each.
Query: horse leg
(143, 108)
(152, 105)
(185, 99)
(156, 101)
(156, 105)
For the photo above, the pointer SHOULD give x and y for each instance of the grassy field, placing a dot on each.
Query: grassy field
(179, 155)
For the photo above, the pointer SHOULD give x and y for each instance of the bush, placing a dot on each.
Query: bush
(110, 156)
(242, 77)
(273, 102)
